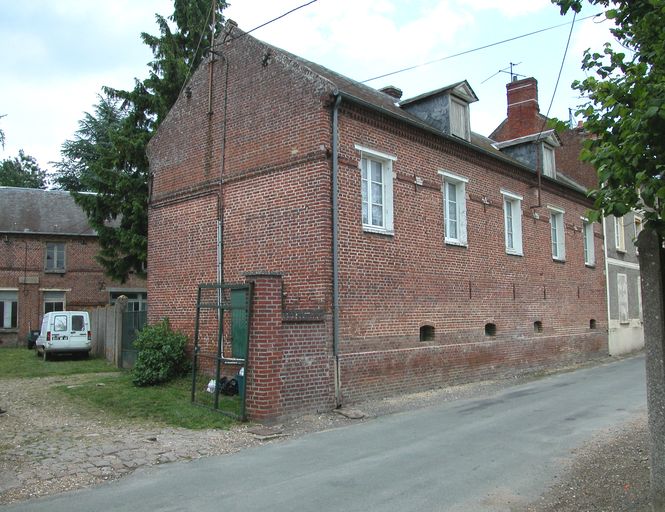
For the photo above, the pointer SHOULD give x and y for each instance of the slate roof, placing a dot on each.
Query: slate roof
(379, 101)
(44, 212)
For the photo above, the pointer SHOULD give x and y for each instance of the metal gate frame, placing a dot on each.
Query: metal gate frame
(221, 305)
(132, 323)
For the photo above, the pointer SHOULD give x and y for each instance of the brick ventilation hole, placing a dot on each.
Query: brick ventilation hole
(427, 333)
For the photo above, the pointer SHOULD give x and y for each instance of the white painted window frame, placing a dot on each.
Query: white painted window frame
(558, 228)
(9, 297)
(459, 182)
(550, 169)
(515, 220)
(54, 297)
(51, 249)
(588, 240)
(386, 160)
(638, 224)
(622, 299)
(619, 235)
(466, 118)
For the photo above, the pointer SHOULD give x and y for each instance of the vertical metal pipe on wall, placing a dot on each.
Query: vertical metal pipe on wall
(335, 244)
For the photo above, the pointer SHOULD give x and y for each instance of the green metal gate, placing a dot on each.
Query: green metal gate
(132, 323)
(221, 345)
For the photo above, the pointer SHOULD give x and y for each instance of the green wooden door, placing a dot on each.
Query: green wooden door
(239, 323)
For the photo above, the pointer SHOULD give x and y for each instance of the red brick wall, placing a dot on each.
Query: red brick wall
(568, 158)
(22, 260)
(393, 285)
(523, 111)
(275, 205)
(276, 208)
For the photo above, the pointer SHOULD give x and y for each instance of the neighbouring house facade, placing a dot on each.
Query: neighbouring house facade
(390, 247)
(47, 262)
(625, 330)
(624, 296)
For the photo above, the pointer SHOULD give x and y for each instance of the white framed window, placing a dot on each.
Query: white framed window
(55, 257)
(54, 301)
(459, 119)
(136, 301)
(454, 208)
(549, 165)
(8, 309)
(376, 190)
(639, 224)
(622, 298)
(619, 234)
(589, 249)
(512, 222)
(557, 234)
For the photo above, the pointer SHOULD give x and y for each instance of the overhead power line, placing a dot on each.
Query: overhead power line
(275, 19)
(475, 49)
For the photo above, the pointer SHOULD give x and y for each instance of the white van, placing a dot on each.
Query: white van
(64, 332)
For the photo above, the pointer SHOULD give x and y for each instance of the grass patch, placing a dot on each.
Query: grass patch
(169, 403)
(22, 363)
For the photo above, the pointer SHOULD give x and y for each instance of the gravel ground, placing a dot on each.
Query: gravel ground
(609, 474)
(49, 446)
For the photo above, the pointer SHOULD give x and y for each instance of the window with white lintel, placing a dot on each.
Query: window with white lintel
(512, 222)
(454, 208)
(376, 170)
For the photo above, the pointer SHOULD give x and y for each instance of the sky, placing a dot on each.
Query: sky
(55, 55)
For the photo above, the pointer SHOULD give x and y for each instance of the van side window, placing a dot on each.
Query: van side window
(60, 323)
(77, 323)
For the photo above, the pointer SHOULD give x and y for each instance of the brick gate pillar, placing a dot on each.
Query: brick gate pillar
(266, 347)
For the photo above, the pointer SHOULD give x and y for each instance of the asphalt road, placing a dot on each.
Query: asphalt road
(489, 454)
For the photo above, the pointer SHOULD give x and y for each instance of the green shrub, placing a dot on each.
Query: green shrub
(161, 355)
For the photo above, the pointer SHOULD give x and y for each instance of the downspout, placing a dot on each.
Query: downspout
(335, 246)
(220, 195)
(607, 281)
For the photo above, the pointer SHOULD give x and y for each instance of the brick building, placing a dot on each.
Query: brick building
(391, 248)
(47, 262)
(524, 120)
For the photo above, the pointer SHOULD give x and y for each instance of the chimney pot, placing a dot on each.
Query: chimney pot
(393, 91)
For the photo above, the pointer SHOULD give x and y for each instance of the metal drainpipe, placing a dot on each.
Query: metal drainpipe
(335, 243)
(607, 280)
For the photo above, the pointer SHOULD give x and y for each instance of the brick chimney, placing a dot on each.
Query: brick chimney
(393, 91)
(523, 110)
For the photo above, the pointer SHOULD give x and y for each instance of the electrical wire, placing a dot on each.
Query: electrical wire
(203, 32)
(274, 19)
(558, 78)
(476, 49)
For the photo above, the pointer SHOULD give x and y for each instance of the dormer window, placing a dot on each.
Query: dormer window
(446, 109)
(549, 167)
(459, 118)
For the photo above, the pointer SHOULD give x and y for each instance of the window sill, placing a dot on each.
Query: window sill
(10, 330)
(55, 271)
(590, 265)
(514, 253)
(622, 251)
(378, 231)
(456, 243)
(558, 260)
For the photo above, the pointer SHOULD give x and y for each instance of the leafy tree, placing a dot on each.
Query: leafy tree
(2, 135)
(22, 171)
(625, 113)
(107, 155)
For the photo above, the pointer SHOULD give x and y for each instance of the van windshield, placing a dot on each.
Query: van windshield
(77, 323)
